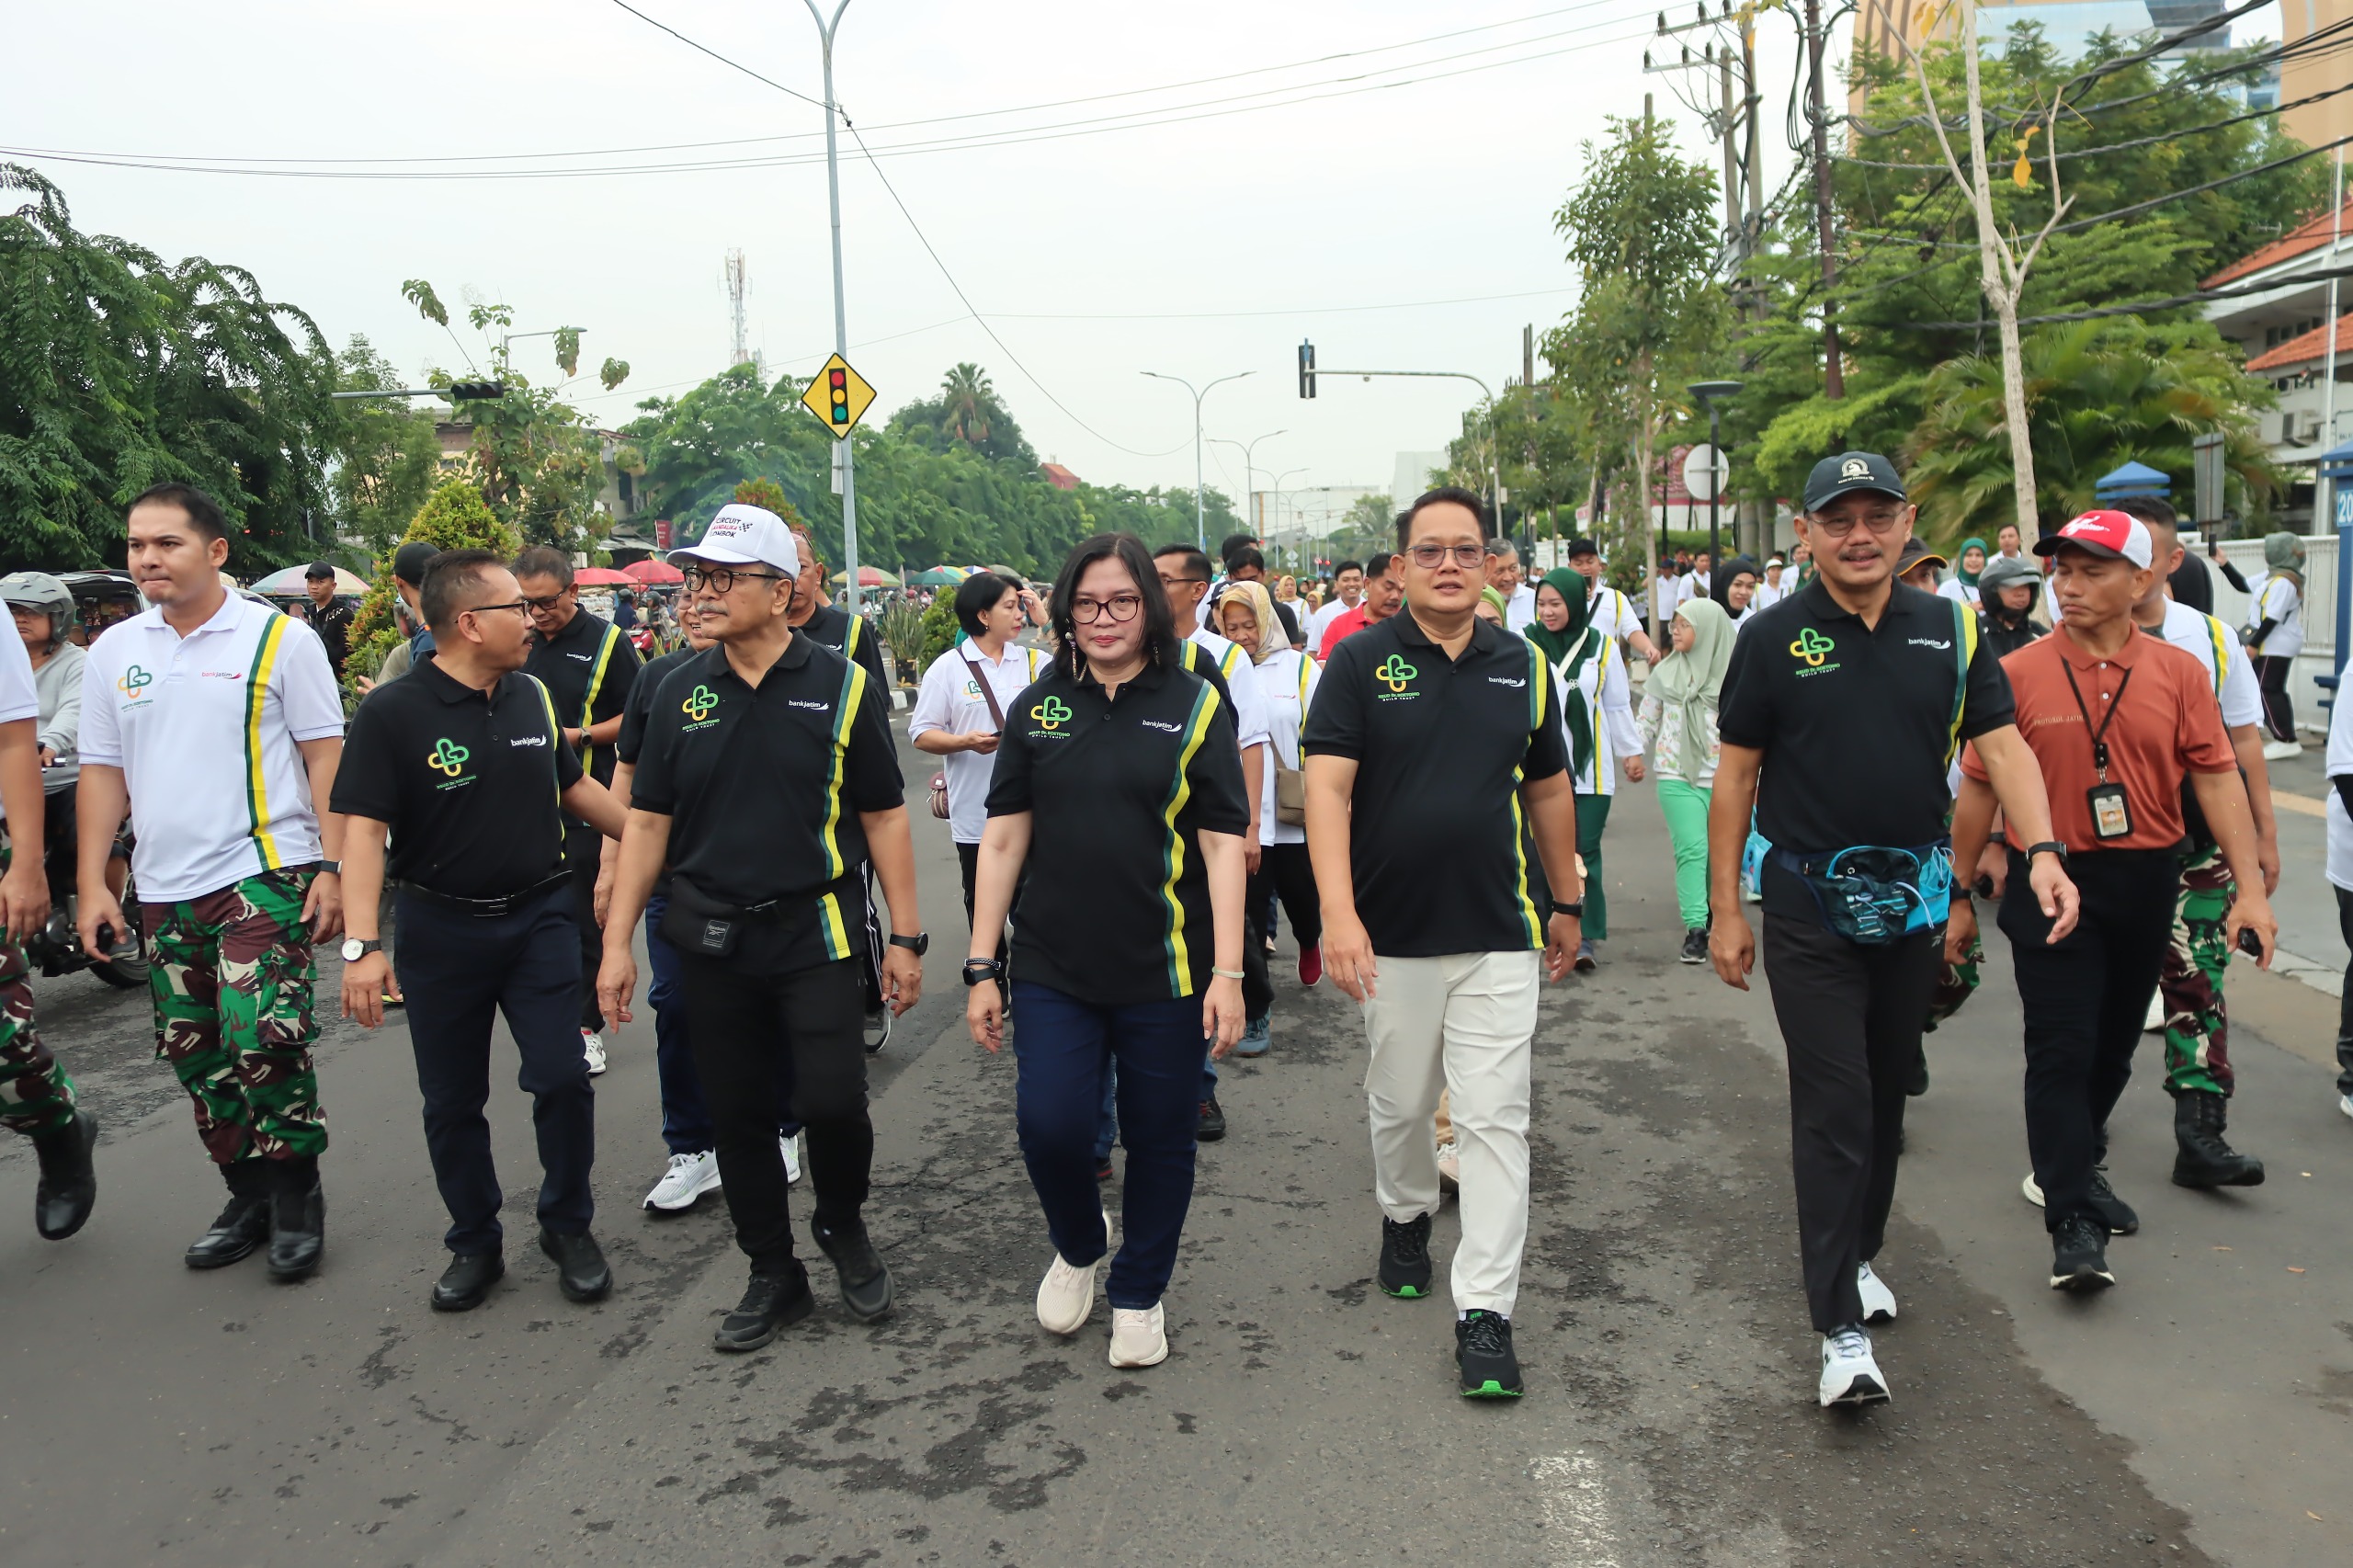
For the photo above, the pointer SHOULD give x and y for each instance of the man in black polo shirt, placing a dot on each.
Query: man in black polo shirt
(463, 763)
(587, 667)
(328, 612)
(768, 779)
(1435, 741)
(1852, 696)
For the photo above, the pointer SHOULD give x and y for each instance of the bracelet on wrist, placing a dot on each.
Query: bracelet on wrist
(1225, 973)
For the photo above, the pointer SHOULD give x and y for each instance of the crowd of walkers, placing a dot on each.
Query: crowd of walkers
(1417, 777)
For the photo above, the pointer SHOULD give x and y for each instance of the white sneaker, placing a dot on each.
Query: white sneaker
(2275, 751)
(592, 1048)
(1850, 1375)
(1879, 1301)
(2156, 1022)
(689, 1177)
(1139, 1338)
(2032, 1188)
(791, 1150)
(2344, 1104)
(1066, 1296)
(1450, 1168)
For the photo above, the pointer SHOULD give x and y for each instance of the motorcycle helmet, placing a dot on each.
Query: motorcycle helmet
(43, 594)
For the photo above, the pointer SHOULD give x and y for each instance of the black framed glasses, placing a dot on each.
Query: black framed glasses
(1431, 557)
(723, 579)
(549, 602)
(1119, 607)
(524, 605)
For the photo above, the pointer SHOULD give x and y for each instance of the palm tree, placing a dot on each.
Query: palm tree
(968, 404)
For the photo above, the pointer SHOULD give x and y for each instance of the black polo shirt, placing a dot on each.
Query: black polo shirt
(468, 780)
(637, 715)
(1116, 909)
(1438, 840)
(851, 637)
(589, 668)
(764, 786)
(1860, 725)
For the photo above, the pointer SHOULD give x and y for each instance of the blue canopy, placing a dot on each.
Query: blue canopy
(2338, 462)
(2133, 479)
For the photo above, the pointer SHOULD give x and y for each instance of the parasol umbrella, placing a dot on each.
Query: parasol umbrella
(936, 577)
(287, 583)
(603, 577)
(869, 577)
(653, 571)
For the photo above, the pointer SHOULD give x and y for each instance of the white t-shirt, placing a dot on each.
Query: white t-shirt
(1601, 687)
(1321, 621)
(1249, 702)
(1954, 588)
(2240, 692)
(206, 728)
(1693, 585)
(951, 701)
(1519, 609)
(18, 699)
(1286, 683)
(2341, 826)
(1767, 596)
(2276, 600)
(1613, 614)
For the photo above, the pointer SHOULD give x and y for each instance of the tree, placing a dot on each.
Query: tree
(118, 370)
(386, 454)
(1642, 233)
(453, 518)
(967, 414)
(768, 494)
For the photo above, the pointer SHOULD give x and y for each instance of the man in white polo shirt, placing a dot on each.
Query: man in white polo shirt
(215, 721)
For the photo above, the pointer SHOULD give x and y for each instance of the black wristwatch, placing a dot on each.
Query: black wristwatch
(918, 943)
(334, 866)
(2050, 846)
(978, 969)
(1573, 910)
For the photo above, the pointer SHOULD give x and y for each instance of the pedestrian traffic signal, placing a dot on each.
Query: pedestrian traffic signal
(1306, 368)
(838, 395)
(476, 391)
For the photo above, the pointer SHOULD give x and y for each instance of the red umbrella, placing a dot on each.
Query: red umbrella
(602, 578)
(651, 571)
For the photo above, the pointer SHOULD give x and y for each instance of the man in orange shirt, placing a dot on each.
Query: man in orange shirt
(2118, 722)
(1384, 592)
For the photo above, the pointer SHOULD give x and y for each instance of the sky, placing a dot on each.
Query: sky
(1323, 170)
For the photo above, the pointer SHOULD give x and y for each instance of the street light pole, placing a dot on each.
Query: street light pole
(1201, 499)
(1495, 462)
(1248, 448)
(844, 452)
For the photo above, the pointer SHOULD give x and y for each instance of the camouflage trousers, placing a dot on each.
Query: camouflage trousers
(232, 978)
(2189, 984)
(36, 1097)
(1956, 983)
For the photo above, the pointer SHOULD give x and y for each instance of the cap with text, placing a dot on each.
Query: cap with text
(2114, 536)
(1849, 472)
(745, 536)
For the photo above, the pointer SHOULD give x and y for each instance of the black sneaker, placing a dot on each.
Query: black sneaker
(866, 1282)
(1694, 946)
(1482, 1353)
(2117, 1213)
(777, 1298)
(1212, 1126)
(1406, 1257)
(2079, 1256)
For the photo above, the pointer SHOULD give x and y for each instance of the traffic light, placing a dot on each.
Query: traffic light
(476, 391)
(1306, 368)
(837, 382)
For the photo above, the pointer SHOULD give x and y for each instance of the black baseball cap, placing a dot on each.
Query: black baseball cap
(318, 572)
(1915, 552)
(410, 560)
(1849, 472)
(1581, 547)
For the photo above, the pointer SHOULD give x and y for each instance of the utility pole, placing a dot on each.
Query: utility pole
(1200, 496)
(1833, 377)
(842, 448)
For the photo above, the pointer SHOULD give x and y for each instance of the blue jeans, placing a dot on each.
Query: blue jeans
(685, 1125)
(1067, 1050)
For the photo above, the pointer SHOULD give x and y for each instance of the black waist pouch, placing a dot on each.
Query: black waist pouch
(708, 927)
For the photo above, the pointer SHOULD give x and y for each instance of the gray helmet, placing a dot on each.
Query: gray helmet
(43, 594)
(2002, 572)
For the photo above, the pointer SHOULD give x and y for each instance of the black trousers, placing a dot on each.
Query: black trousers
(2345, 1007)
(749, 1018)
(2278, 707)
(584, 847)
(1850, 1019)
(2086, 997)
(1283, 872)
(457, 970)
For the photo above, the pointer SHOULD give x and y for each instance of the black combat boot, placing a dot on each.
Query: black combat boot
(2205, 1161)
(298, 1219)
(242, 1225)
(68, 1185)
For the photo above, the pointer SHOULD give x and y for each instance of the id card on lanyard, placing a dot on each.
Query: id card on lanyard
(2111, 813)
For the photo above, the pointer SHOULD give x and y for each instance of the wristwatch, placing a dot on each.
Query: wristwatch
(2050, 846)
(1574, 909)
(335, 867)
(979, 969)
(918, 943)
(354, 950)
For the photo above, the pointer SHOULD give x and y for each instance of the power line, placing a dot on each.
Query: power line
(731, 64)
(2140, 140)
(2145, 307)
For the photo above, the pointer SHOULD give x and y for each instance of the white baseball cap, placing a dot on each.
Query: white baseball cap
(743, 536)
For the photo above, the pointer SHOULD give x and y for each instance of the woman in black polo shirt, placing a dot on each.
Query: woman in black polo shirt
(1118, 785)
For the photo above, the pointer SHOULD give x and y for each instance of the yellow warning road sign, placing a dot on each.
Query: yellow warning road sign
(840, 396)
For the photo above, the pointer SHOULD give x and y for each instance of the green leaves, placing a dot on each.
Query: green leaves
(613, 372)
(418, 292)
(567, 351)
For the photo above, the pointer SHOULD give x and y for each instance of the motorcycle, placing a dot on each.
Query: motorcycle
(56, 948)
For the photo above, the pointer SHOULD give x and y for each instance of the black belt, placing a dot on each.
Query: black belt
(488, 908)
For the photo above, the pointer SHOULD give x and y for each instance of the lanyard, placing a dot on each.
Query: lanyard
(2099, 736)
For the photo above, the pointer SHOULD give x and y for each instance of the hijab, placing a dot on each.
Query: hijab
(2284, 553)
(1689, 683)
(1502, 607)
(1566, 651)
(1720, 584)
(1960, 558)
(1271, 640)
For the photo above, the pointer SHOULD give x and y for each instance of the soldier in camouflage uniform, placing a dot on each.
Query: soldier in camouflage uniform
(217, 722)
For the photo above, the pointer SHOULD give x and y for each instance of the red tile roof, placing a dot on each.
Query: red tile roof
(1058, 477)
(2307, 348)
(2309, 235)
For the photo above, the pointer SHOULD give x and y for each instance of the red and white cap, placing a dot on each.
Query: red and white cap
(2118, 536)
(743, 535)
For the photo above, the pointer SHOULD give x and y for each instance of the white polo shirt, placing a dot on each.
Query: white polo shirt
(1321, 621)
(1250, 722)
(2235, 684)
(1613, 614)
(1519, 611)
(951, 701)
(205, 728)
(19, 699)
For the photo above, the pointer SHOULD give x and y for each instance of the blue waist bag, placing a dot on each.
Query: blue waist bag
(1873, 895)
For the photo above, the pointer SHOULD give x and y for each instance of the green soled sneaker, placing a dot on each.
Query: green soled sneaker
(1406, 1257)
(1482, 1353)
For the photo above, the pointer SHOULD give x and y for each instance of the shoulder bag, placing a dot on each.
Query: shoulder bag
(988, 694)
(1290, 784)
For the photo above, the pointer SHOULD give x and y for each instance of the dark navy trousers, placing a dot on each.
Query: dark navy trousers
(686, 1124)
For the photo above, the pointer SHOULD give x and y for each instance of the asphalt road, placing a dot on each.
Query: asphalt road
(2200, 1413)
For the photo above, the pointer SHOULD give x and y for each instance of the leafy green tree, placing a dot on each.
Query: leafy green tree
(119, 370)
(386, 454)
(967, 413)
(453, 518)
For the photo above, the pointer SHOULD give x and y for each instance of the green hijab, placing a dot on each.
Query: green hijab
(1503, 606)
(1689, 683)
(1968, 577)
(2284, 553)
(1566, 651)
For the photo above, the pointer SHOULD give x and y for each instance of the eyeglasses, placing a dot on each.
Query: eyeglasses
(547, 603)
(1119, 607)
(524, 605)
(1880, 521)
(1429, 557)
(723, 579)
